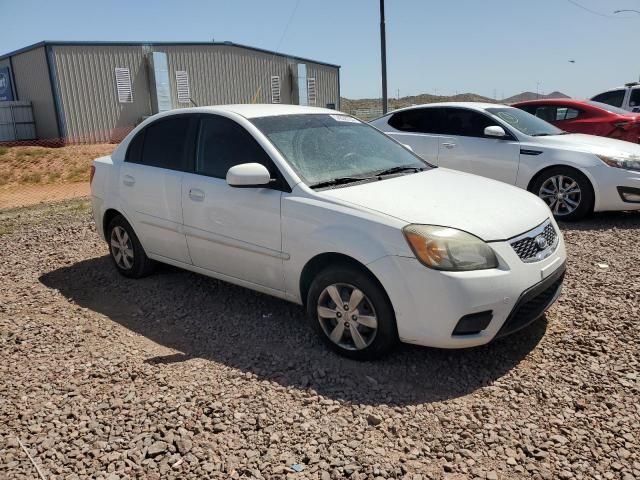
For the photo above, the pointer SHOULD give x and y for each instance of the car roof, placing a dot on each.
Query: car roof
(255, 110)
(470, 105)
(547, 101)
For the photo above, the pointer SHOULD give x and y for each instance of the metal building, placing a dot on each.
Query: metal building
(98, 91)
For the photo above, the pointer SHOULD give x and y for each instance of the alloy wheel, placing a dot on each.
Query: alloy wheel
(121, 248)
(347, 316)
(561, 193)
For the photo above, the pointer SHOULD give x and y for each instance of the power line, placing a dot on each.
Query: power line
(594, 12)
(286, 27)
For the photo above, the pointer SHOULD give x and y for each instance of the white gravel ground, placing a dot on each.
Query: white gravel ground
(181, 376)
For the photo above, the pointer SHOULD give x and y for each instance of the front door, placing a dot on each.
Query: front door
(232, 231)
(466, 148)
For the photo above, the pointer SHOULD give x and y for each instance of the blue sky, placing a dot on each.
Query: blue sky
(486, 47)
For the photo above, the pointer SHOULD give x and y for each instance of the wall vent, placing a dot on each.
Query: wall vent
(275, 89)
(123, 84)
(182, 85)
(311, 90)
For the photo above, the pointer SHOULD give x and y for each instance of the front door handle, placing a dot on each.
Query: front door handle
(128, 180)
(196, 194)
(448, 145)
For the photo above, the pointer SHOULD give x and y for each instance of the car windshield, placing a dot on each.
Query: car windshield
(324, 147)
(524, 122)
(608, 108)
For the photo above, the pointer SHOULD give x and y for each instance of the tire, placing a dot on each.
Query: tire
(570, 206)
(355, 333)
(132, 263)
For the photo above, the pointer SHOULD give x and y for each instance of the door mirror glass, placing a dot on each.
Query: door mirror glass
(495, 131)
(248, 175)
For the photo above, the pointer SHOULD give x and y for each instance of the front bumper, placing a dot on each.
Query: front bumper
(608, 182)
(429, 304)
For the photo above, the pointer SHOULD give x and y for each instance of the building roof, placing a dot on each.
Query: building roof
(152, 44)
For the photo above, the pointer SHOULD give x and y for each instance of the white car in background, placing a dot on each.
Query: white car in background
(318, 208)
(574, 174)
(627, 97)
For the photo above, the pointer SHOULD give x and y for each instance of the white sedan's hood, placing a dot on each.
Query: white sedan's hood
(588, 143)
(486, 208)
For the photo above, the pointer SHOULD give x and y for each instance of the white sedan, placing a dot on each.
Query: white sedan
(574, 174)
(318, 208)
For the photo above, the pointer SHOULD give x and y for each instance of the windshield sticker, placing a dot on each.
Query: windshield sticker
(344, 118)
(507, 117)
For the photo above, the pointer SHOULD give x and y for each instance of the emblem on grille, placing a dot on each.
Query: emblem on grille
(541, 242)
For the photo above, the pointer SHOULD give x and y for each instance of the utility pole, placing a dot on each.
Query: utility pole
(383, 58)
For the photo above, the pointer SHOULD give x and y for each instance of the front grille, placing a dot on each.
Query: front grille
(533, 303)
(528, 248)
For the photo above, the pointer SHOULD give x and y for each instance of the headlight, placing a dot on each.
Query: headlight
(444, 248)
(628, 163)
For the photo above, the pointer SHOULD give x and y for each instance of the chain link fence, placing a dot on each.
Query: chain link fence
(52, 169)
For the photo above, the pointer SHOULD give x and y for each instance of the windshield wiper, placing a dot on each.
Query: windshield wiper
(540, 134)
(398, 169)
(339, 181)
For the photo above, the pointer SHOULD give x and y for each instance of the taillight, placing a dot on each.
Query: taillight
(92, 172)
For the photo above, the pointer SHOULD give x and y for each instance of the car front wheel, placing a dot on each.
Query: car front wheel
(567, 192)
(352, 313)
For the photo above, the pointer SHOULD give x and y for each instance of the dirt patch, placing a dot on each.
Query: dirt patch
(181, 376)
(44, 165)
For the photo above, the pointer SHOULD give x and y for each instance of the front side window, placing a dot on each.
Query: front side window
(614, 97)
(466, 123)
(222, 144)
(524, 122)
(161, 144)
(321, 147)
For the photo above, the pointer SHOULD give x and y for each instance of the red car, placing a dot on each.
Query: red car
(586, 116)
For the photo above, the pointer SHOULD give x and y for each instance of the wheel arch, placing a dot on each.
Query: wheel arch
(323, 260)
(586, 174)
(108, 216)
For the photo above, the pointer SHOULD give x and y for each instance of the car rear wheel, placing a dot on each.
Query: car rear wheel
(126, 251)
(352, 313)
(566, 191)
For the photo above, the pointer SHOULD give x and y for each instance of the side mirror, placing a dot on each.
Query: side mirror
(495, 131)
(248, 175)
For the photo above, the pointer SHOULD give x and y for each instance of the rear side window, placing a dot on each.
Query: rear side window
(634, 101)
(419, 120)
(222, 144)
(554, 113)
(161, 144)
(614, 98)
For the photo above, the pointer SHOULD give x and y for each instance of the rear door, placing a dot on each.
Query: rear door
(418, 128)
(465, 147)
(151, 186)
(232, 231)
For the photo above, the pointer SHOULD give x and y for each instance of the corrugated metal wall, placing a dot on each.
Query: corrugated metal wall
(327, 84)
(221, 74)
(32, 84)
(88, 95)
(85, 84)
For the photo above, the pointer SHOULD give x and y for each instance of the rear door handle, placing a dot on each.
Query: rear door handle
(196, 194)
(448, 145)
(128, 180)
